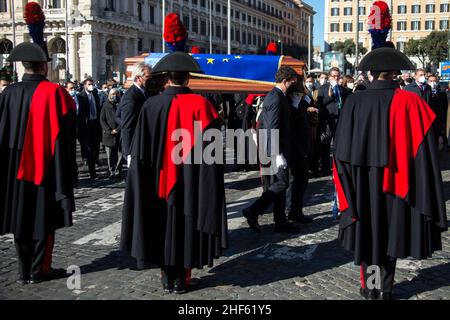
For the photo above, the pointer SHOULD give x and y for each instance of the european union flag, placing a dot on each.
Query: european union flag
(255, 68)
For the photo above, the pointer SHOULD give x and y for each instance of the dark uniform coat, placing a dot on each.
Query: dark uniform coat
(387, 176)
(173, 215)
(36, 165)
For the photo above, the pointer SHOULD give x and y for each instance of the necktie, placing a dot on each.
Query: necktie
(93, 109)
(337, 94)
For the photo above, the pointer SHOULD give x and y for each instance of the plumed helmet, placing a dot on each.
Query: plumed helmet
(385, 59)
(28, 52)
(177, 62)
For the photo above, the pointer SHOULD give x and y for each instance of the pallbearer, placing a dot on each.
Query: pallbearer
(174, 214)
(387, 174)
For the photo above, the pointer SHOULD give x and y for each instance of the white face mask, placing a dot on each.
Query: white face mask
(90, 88)
(309, 86)
(350, 85)
(422, 79)
(105, 90)
(322, 81)
(333, 83)
(433, 85)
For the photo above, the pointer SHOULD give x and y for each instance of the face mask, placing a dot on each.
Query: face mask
(433, 85)
(309, 86)
(115, 99)
(90, 88)
(73, 93)
(322, 82)
(333, 83)
(105, 90)
(350, 85)
(408, 81)
(422, 79)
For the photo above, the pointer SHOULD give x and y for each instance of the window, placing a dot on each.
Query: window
(140, 45)
(152, 45)
(362, 11)
(415, 8)
(334, 12)
(203, 28)
(203, 3)
(429, 25)
(444, 24)
(348, 26)
(415, 25)
(348, 11)
(54, 4)
(361, 26)
(186, 22)
(218, 31)
(334, 27)
(152, 15)
(238, 35)
(110, 5)
(194, 25)
(217, 8)
(194, 2)
(429, 8)
(402, 9)
(224, 33)
(3, 6)
(401, 45)
(139, 9)
(445, 7)
(401, 25)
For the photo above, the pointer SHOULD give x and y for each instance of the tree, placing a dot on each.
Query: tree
(436, 46)
(417, 48)
(348, 47)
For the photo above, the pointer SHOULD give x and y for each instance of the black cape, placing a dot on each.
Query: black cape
(190, 227)
(27, 210)
(376, 225)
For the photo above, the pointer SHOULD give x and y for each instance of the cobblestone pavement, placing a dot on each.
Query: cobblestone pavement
(308, 265)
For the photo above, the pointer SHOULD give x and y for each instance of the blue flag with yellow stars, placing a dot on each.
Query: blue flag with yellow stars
(252, 68)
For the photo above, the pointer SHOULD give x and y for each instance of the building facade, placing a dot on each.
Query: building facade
(102, 33)
(411, 19)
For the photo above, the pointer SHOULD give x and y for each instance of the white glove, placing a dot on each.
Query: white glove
(128, 161)
(281, 162)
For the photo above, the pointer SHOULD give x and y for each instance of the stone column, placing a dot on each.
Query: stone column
(101, 55)
(87, 54)
(74, 61)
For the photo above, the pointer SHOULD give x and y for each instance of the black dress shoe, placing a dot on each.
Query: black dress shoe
(251, 220)
(368, 294)
(300, 218)
(286, 227)
(22, 281)
(51, 275)
(179, 286)
(166, 283)
(384, 296)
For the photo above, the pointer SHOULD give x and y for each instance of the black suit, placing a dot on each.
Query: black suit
(128, 113)
(329, 109)
(425, 94)
(89, 130)
(276, 115)
(300, 146)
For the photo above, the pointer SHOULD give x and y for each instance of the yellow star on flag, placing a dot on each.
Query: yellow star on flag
(238, 57)
(211, 61)
(226, 60)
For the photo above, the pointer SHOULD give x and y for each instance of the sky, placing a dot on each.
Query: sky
(319, 20)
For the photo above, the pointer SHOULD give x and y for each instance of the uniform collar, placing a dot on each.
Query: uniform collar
(33, 77)
(176, 90)
(383, 85)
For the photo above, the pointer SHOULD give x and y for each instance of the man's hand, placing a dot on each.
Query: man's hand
(113, 132)
(280, 161)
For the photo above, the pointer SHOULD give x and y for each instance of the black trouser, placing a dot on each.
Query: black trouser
(320, 152)
(93, 145)
(298, 181)
(34, 256)
(276, 194)
(174, 272)
(387, 274)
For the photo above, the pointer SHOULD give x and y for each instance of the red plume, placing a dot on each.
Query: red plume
(33, 13)
(196, 50)
(174, 29)
(272, 47)
(385, 15)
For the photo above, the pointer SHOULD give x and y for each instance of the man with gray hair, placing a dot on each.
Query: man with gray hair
(130, 106)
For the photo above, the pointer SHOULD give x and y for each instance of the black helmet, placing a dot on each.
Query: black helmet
(177, 62)
(385, 59)
(28, 52)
